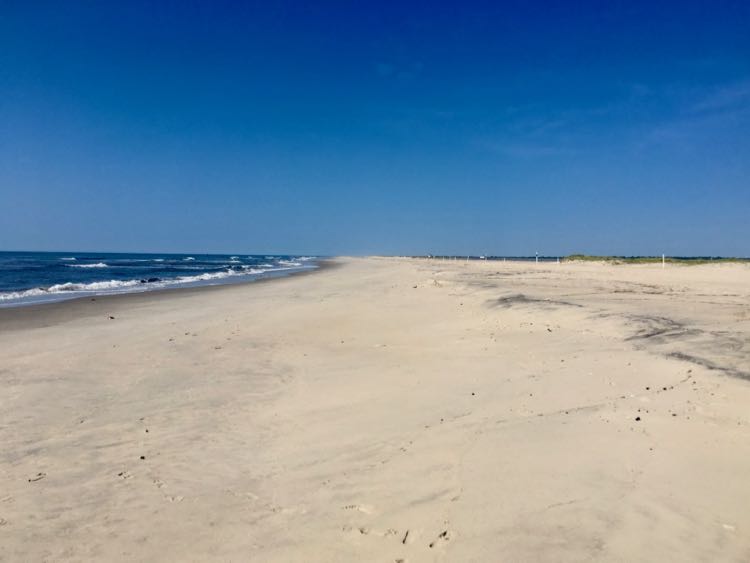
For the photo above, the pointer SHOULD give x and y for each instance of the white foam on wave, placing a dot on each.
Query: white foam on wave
(252, 270)
(97, 265)
(207, 276)
(189, 258)
(125, 286)
(211, 276)
(289, 263)
(93, 286)
(69, 258)
(70, 287)
(36, 292)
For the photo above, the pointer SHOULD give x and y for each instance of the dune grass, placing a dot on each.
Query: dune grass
(685, 260)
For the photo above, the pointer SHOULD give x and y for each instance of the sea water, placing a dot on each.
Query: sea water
(34, 277)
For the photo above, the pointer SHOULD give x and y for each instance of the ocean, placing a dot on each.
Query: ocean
(37, 277)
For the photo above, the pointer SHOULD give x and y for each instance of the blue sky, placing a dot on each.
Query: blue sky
(358, 128)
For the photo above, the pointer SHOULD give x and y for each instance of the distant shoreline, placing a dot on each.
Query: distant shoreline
(688, 260)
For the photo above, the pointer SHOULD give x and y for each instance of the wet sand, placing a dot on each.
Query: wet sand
(385, 410)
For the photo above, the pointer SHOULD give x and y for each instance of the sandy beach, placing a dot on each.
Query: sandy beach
(385, 410)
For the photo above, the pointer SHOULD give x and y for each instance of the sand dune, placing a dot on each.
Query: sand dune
(385, 410)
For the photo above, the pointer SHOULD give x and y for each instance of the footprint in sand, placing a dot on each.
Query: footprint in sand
(441, 539)
(242, 495)
(364, 508)
(171, 498)
(365, 531)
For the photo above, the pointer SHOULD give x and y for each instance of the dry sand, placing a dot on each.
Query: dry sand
(385, 410)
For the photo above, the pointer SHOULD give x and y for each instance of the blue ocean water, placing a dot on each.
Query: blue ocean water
(33, 277)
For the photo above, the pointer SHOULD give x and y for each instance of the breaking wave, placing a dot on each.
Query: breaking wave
(97, 265)
(63, 277)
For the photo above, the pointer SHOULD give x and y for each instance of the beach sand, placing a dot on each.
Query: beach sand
(385, 410)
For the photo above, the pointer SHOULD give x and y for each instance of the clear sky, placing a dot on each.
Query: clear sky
(615, 127)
